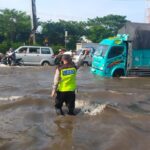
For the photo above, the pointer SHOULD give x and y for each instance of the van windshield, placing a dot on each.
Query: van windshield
(101, 50)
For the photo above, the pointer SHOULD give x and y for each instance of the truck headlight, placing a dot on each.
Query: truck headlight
(101, 68)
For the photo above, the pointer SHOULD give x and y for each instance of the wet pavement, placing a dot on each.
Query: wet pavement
(111, 114)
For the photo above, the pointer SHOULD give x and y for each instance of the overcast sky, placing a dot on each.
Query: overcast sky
(135, 10)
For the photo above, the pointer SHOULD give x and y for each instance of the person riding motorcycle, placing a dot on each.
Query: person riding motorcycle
(11, 57)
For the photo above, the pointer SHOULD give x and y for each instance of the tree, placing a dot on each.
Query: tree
(55, 32)
(97, 33)
(15, 25)
(99, 28)
(15, 29)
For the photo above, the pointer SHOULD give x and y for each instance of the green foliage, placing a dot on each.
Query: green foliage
(15, 25)
(96, 33)
(15, 29)
(4, 46)
(99, 28)
(56, 48)
(55, 32)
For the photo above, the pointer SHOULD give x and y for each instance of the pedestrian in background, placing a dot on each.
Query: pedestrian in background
(59, 56)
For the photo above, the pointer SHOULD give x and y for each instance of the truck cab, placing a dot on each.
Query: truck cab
(110, 58)
(126, 54)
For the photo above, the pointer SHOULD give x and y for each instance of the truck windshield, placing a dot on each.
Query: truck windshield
(101, 50)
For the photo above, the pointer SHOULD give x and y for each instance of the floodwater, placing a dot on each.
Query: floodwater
(111, 114)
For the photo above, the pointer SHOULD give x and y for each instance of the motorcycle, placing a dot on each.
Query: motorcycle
(9, 61)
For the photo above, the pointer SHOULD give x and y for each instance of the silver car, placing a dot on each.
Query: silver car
(35, 55)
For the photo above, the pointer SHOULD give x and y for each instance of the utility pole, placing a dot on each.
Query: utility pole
(33, 22)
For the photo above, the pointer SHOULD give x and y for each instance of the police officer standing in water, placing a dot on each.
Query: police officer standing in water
(65, 84)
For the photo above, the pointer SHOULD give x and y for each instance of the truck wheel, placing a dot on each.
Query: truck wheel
(118, 73)
(45, 63)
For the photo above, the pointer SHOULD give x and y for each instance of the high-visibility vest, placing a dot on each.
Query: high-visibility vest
(67, 79)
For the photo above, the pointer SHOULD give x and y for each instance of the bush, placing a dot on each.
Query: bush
(4, 46)
(56, 48)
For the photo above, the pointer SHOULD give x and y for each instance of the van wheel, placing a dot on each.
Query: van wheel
(118, 73)
(45, 63)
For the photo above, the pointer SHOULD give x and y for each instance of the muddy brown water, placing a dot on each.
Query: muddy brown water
(112, 114)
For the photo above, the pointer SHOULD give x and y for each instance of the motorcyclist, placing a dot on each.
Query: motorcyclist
(59, 56)
(11, 57)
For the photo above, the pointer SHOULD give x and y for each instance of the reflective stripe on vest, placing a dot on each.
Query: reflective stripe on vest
(68, 79)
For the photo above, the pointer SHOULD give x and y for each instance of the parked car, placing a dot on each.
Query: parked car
(35, 55)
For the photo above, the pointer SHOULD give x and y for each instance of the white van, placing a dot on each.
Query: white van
(35, 55)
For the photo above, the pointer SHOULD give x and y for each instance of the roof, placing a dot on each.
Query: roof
(139, 34)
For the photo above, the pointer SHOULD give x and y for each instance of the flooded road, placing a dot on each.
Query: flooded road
(112, 114)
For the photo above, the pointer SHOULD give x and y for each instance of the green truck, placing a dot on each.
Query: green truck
(127, 54)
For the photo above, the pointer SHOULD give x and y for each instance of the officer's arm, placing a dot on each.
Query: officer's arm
(80, 62)
(56, 81)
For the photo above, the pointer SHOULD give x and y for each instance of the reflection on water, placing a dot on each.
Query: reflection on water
(112, 114)
(64, 133)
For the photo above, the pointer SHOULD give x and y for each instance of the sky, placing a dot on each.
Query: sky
(81, 10)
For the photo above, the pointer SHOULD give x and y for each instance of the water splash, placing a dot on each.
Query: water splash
(10, 98)
(90, 109)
